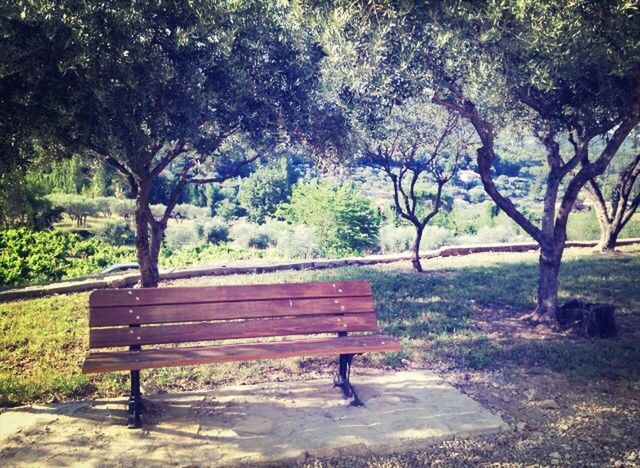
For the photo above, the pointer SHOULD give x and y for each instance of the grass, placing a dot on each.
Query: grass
(447, 316)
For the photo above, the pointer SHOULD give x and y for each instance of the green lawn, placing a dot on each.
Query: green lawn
(455, 315)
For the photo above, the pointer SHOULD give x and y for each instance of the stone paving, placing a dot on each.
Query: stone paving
(247, 424)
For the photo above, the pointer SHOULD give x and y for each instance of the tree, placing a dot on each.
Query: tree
(625, 199)
(168, 86)
(265, 189)
(346, 222)
(417, 142)
(567, 71)
(23, 203)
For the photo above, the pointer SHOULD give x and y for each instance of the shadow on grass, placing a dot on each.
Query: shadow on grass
(441, 315)
(441, 311)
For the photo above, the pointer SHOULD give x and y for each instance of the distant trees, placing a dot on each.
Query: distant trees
(23, 203)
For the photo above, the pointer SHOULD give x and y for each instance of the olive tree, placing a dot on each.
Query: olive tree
(166, 88)
(616, 201)
(418, 144)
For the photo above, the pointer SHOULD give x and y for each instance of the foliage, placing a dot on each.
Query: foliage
(248, 235)
(78, 207)
(212, 230)
(203, 254)
(261, 192)
(346, 222)
(179, 236)
(28, 257)
(396, 239)
(199, 80)
(400, 239)
(116, 232)
(23, 204)
(186, 211)
(298, 241)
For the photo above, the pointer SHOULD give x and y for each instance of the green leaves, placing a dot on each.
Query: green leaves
(346, 222)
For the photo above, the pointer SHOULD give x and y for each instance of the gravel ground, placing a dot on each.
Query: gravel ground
(555, 419)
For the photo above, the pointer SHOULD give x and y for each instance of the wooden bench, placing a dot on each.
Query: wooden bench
(131, 318)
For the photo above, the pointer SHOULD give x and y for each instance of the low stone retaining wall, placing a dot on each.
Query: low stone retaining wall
(130, 279)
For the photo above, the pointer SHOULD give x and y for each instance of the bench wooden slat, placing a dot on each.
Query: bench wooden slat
(149, 314)
(194, 295)
(145, 359)
(253, 328)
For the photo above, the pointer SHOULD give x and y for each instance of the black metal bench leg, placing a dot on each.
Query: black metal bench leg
(342, 380)
(135, 400)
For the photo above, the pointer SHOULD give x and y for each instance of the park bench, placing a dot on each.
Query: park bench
(131, 318)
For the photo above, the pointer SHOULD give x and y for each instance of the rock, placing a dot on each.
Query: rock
(615, 432)
(530, 394)
(521, 426)
(549, 404)
(536, 435)
(555, 455)
(254, 425)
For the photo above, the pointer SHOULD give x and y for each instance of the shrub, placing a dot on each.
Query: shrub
(31, 257)
(180, 236)
(397, 239)
(346, 222)
(494, 235)
(212, 230)
(248, 235)
(435, 237)
(298, 241)
(583, 226)
(203, 253)
(116, 232)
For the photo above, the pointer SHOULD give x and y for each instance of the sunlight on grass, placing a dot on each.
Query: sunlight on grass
(436, 314)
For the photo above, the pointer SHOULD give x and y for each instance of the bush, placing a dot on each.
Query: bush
(435, 237)
(298, 241)
(583, 226)
(180, 236)
(397, 239)
(31, 257)
(248, 235)
(202, 254)
(116, 232)
(494, 235)
(345, 222)
(212, 230)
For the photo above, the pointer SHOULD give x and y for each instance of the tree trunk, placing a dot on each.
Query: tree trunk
(147, 258)
(608, 238)
(416, 251)
(547, 305)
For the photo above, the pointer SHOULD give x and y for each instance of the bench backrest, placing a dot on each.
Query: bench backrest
(129, 317)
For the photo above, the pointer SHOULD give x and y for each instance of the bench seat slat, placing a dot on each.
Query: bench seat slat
(148, 314)
(194, 295)
(169, 357)
(205, 331)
